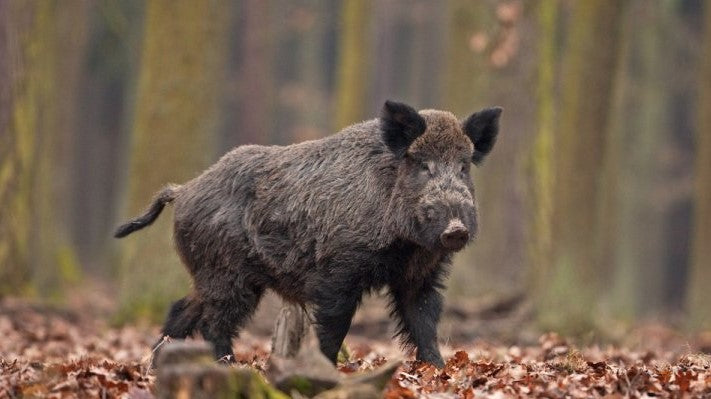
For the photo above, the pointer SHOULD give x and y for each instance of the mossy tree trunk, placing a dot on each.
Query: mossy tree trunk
(18, 113)
(699, 295)
(174, 137)
(466, 70)
(569, 296)
(540, 241)
(353, 68)
(43, 43)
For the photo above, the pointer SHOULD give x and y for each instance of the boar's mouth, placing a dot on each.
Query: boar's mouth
(452, 237)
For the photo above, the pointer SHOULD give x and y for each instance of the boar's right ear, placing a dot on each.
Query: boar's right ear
(400, 125)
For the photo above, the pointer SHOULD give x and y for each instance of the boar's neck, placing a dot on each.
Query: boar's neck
(411, 264)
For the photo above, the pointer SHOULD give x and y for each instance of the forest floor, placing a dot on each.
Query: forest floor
(46, 352)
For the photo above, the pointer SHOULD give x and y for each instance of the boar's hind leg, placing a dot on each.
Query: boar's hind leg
(334, 311)
(419, 314)
(181, 322)
(222, 318)
(182, 318)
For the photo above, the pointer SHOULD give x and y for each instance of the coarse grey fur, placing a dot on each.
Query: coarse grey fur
(383, 203)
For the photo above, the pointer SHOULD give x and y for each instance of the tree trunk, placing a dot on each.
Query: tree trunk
(388, 28)
(466, 77)
(467, 73)
(43, 45)
(409, 52)
(302, 100)
(56, 266)
(186, 369)
(353, 70)
(18, 113)
(291, 328)
(428, 21)
(102, 135)
(699, 296)
(540, 242)
(636, 145)
(589, 64)
(490, 58)
(174, 134)
(255, 94)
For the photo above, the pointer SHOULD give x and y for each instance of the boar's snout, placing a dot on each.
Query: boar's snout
(455, 236)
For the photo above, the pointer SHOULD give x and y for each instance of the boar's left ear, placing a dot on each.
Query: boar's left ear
(482, 128)
(400, 125)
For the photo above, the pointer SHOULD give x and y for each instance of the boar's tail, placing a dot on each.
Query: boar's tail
(165, 196)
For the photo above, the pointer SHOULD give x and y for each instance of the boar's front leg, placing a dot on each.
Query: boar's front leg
(334, 311)
(419, 312)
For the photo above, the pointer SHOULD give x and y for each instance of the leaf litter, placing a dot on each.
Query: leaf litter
(49, 354)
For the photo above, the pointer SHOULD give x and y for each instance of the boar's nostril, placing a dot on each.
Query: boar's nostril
(455, 236)
(455, 239)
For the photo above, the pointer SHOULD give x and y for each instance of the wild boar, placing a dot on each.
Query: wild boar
(383, 203)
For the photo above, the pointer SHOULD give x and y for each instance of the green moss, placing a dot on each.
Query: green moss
(251, 384)
(68, 263)
(302, 385)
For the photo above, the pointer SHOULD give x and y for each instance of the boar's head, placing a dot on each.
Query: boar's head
(433, 201)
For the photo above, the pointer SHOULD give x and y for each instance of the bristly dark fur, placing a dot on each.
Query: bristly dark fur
(323, 222)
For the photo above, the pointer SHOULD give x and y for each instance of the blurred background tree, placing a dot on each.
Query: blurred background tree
(175, 125)
(574, 282)
(353, 66)
(42, 56)
(594, 205)
(700, 275)
(18, 136)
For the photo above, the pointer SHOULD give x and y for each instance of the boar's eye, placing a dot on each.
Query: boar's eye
(426, 167)
(465, 168)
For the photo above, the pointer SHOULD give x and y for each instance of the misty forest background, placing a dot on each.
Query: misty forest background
(595, 204)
